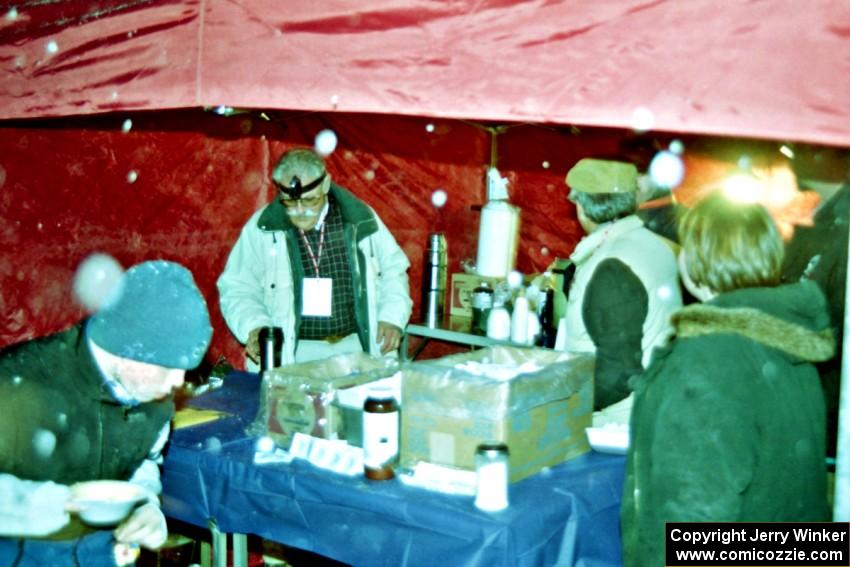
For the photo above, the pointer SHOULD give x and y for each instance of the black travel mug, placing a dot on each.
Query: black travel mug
(271, 345)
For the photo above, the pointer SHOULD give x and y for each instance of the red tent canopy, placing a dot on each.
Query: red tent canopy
(757, 68)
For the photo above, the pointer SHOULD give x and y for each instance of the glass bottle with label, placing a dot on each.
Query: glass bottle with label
(482, 303)
(380, 434)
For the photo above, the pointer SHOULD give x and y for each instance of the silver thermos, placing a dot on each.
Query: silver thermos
(434, 280)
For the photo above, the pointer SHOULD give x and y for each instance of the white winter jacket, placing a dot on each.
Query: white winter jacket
(652, 261)
(261, 282)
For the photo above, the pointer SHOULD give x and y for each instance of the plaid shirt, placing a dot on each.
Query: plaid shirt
(334, 263)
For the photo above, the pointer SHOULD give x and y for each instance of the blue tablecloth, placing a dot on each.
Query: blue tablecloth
(565, 515)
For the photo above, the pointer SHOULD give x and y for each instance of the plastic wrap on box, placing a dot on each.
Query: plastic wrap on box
(301, 398)
(537, 401)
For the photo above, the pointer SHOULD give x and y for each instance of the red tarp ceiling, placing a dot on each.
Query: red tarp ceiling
(759, 68)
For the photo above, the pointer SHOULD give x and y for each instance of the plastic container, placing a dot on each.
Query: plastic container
(519, 320)
(498, 239)
(499, 324)
(491, 468)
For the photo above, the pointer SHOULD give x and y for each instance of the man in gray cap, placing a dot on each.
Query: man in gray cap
(94, 402)
(625, 286)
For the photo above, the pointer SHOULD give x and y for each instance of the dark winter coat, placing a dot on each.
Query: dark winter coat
(60, 423)
(728, 420)
(819, 253)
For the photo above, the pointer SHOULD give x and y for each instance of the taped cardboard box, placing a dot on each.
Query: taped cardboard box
(305, 398)
(537, 401)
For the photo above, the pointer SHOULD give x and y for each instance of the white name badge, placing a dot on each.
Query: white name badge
(316, 297)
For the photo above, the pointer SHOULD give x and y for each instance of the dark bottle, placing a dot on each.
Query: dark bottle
(380, 435)
(548, 327)
(482, 304)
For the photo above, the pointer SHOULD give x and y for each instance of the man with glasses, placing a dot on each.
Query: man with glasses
(318, 263)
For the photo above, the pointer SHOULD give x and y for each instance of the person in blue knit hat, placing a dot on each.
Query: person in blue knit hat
(94, 402)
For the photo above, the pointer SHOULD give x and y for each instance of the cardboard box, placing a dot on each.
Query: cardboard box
(461, 296)
(449, 407)
(305, 397)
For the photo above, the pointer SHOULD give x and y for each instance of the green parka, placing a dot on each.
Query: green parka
(728, 420)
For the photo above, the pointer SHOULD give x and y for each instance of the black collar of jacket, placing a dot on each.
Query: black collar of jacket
(353, 210)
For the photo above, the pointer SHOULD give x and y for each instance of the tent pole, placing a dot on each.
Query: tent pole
(494, 143)
(841, 504)
(494, 148)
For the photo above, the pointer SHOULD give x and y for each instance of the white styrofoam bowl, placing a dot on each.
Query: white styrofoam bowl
(105, 502)
(610, 438)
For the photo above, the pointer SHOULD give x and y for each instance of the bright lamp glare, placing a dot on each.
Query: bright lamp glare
(774, 188)
(744, 189)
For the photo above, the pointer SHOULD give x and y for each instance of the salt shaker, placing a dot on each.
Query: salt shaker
(499, 323)
(491, 468)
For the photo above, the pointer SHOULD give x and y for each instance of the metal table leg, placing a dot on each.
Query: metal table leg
(402, 348)
(219, 545)
(206, 557)
(240, 550)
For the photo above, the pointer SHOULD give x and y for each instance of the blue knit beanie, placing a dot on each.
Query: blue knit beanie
(155, 315)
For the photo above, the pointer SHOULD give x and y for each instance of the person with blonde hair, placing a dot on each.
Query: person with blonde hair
(728, 420)
(731, 246)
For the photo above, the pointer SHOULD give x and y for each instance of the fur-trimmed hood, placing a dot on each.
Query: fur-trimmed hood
(780, 319)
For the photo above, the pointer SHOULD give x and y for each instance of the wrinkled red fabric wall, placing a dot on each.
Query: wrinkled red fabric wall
(775, 69)
(180, 184)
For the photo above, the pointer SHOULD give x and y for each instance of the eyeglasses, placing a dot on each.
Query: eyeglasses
(305, 202)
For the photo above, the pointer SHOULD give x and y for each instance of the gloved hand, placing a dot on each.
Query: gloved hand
(146, 526)
(32, 508)
(252, 345)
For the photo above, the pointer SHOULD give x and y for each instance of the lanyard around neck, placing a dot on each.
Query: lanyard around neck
(315, 258)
